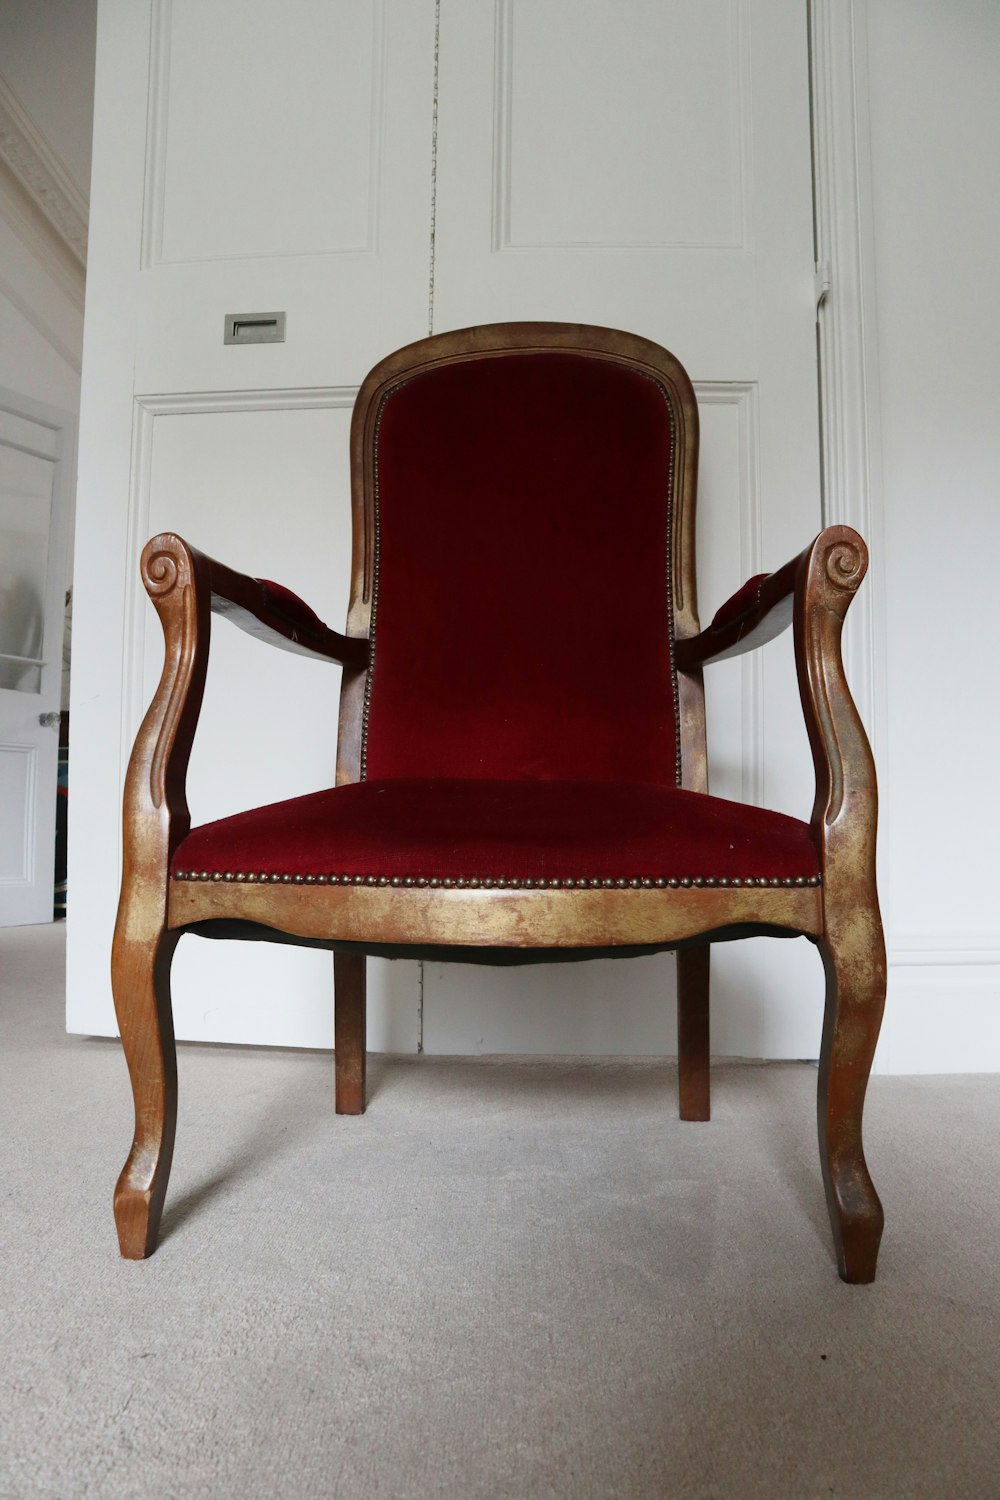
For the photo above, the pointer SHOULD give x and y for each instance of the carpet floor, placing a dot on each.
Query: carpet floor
(510, 1278)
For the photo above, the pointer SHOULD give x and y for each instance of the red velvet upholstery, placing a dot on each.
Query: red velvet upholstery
(513, 831)
(521, 625)
(521, 722)
(291, 608)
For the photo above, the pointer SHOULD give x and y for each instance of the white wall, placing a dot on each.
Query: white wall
(934, 68)
(47, 58)
(46, 112)
(34, 361)
(46, 93)
(41, 313)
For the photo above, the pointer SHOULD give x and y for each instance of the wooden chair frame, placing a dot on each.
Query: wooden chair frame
(840, 914)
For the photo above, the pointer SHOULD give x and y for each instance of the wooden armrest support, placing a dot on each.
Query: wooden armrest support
(829, 574)
(754, 615)
(186, 587)
(814, 591)
(276, 615)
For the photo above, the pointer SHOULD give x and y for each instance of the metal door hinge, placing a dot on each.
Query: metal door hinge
(823, 282)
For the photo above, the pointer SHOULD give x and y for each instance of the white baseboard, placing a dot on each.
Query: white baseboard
(943, 1009)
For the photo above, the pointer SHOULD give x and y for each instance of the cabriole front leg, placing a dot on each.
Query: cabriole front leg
(855, 998)
(844, 818)
(155, 819)
(140, 979)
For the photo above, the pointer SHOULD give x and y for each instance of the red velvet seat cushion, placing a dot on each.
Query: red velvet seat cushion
(522, 618)
(510, 831)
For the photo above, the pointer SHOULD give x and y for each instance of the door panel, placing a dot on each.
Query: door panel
(247, 158)
(219, 185)
(286, 168)
(223, 471)
(588, 101)
(35, 504)
(648, 167)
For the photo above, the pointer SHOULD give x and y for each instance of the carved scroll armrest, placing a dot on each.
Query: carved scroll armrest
(758, 612)
(155, 815)
(274, 614)
(845, 809)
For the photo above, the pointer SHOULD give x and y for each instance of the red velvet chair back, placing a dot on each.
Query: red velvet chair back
(521, 606)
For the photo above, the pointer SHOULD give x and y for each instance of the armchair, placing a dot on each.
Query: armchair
(521, 763)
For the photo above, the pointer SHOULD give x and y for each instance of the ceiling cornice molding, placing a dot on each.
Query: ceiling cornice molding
(28, 155)
(20, 212)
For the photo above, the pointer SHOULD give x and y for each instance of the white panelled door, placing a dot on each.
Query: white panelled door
(36, 501)
(647, 166)
(638, 164)
(248, 158)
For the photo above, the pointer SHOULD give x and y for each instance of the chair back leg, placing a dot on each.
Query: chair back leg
(693, 1032)
(349, 1032)
(140, 981)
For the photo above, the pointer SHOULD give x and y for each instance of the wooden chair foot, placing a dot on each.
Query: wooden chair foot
(140, 979)
(693, 1032)
(350, 1035)
(855, 998)
(137, 1214)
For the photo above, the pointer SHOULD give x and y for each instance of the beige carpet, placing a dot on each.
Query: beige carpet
(509, 1279)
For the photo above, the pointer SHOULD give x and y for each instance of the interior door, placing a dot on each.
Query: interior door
(639, 164)
(36, 450)
(250, 159)
(647, 166)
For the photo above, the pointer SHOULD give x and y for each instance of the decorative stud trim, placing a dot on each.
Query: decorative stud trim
(671, 508)
(373, 617)
(515, 883)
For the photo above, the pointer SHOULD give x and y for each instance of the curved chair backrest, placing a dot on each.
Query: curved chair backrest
(524, 518)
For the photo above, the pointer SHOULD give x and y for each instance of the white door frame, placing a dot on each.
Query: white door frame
(851, 453)
(31, 899)
(848, 351)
